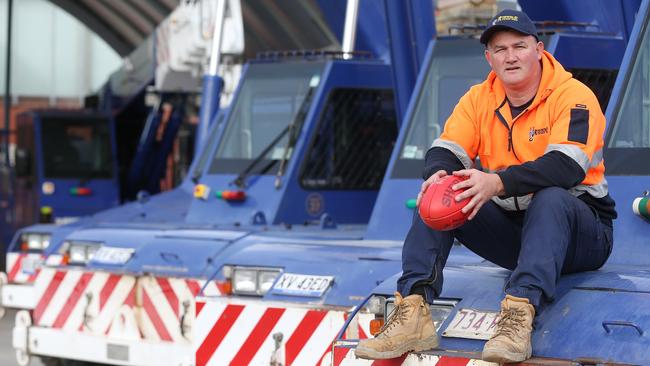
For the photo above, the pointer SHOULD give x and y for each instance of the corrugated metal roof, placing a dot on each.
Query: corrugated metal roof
(268, 25)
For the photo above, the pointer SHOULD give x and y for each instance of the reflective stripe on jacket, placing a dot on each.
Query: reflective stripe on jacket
(564, 116)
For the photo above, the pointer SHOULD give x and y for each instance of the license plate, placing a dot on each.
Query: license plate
(110, 255)
(472, 324)
(302, 285)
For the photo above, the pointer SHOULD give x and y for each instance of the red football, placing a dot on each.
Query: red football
(438, 207)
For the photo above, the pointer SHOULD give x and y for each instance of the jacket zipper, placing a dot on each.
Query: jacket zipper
(511, 145)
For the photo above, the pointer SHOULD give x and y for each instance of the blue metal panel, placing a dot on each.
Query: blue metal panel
(65, 204)
(356, 266)
(164, 208)
(614, 20)
(587, 51)
(631, 232)
(411, 26)
(212, 85)
(630, 11)
(371, 29)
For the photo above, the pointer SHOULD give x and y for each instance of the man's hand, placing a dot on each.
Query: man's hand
(432, 179)
(481, 187)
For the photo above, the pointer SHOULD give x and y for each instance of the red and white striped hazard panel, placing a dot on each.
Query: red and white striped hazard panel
(25, 267)
(344, 356)
(168, 306)
(120, 306)
(72, 299)
(234, 332)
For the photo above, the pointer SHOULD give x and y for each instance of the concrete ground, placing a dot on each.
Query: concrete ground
(7, 356)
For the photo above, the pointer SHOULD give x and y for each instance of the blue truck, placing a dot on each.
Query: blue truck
(293, 319)
(270, 225)
(598, 317)
(301, 149)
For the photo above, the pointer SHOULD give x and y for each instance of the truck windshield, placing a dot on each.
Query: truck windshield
(456, 65)
(270, 97)
(629, 140)
(76, 148)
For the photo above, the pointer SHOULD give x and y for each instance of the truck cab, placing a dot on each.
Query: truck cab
(65, 166)
(301, 151)
(65, 169)
(597, 316)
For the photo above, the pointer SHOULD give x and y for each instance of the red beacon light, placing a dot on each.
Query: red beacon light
(231, 195)
(81, 191)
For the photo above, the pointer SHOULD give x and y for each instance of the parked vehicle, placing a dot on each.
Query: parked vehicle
(72, 164)
(319, 280)
(598, 317)
(131, 294)
(302, 148)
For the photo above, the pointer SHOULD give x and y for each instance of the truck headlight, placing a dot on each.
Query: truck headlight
(244, 281)
(440, 310)
(34, 241)
(255, 281)
(265, 280)
(376, 305)
(79, 252)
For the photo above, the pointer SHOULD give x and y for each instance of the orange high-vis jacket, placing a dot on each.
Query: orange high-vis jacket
(564, 116)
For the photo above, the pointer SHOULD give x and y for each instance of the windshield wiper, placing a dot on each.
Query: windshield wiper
(240, 180)
(294, 129)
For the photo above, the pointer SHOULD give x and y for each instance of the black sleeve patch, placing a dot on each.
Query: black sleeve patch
(579, 125)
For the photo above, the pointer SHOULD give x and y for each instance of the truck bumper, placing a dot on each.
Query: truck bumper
(59, 343)
(252, 331)
(17, 296)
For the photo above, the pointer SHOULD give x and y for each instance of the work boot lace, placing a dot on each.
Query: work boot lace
(510, 323)
(396, 317)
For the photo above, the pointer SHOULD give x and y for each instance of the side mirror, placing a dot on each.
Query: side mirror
(23, 160)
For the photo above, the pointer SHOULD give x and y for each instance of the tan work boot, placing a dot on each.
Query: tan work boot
(511, 342)
(408, 328)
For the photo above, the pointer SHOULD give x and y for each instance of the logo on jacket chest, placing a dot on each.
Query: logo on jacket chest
(534, 132)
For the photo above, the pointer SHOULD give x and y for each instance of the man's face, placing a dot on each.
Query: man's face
(514, 57)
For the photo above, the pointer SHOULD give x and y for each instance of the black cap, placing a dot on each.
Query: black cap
(509, 20)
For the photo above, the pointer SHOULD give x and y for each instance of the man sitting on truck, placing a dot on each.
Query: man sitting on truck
(539, 208)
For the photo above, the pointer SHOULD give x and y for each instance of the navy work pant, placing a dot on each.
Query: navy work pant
(558, 234)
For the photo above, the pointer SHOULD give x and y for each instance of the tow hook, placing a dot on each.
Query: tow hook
(277, 358)
(87, 319)
(3, 281)
(20, 337)
(185, 323)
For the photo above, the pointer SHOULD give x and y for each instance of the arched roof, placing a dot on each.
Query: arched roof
(268, 25)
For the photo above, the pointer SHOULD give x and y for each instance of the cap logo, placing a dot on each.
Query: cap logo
(505, 18)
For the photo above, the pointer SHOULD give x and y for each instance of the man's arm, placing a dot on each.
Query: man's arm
(439, 158)
(553, 169)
